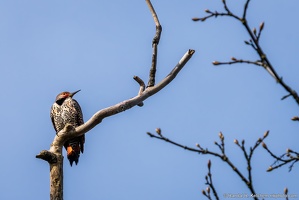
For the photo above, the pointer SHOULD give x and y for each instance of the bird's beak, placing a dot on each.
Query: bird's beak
(72, 94)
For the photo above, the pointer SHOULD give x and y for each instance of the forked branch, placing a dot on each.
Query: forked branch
(247, 179)
(263, 61)
(253, 42)
(54, 155)
(289, 157)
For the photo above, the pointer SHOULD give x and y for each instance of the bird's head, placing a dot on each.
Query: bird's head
(63, 96)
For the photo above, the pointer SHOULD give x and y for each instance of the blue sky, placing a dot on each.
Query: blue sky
(51, 46)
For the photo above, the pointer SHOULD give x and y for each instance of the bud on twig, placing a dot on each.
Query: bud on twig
(266, 134)
(158, 130)
(254, 31)
(262, 26)
(215, 63)
(209, 164)
(207, 11)
(208, 190)
(264, 145)
(295, 118)
(221, 136)
(289, 151)
(233, 58)
(236, 141)
(285, 190)
(204, 192)
(196, 19)
(269, 169)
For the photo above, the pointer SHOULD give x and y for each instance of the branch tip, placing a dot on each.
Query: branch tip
(262, 26)
(153, 12)
(269, 169)
(209, 164)
(47, 156)
(266, 134)
(208, 190)
(195, 19)
(215, 63)
(139, 81)
(149, 134)
(191, 51)
(141, 89)
(285, 191)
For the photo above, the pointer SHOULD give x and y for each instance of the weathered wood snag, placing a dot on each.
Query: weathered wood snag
(54, 155)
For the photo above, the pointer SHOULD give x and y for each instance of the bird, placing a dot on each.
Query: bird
(66, 110)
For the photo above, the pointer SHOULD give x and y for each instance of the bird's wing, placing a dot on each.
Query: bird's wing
(52, 118)
(80, 121)
(79, 116)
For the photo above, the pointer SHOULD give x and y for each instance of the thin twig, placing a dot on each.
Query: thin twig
(293, 157)
(237, 61)
(286, 193)
(209, 182)
(245, 9)
(214, 14)
(260, 31)
(153, 12)
(225, 7)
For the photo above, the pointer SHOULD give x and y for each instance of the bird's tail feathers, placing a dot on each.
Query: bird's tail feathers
(73, 152)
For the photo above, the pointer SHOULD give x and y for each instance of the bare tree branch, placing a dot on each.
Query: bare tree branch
(47, 156)
(253, 42)
(236, 61)
(289, 157)
(125, 105)
(70, 132)
(264, 62)
(54, 155)
(200, 150)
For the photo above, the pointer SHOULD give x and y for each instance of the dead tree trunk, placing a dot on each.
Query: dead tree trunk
(56, 184)
(55, 159)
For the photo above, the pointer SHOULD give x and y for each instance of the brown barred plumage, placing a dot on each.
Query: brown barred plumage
(67, 110)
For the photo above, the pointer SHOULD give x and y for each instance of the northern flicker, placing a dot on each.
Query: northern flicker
(66, 110)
